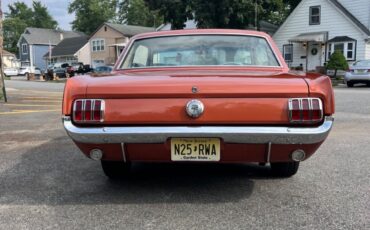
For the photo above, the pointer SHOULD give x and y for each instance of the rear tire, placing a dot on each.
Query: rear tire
(115, 169)
(349, 84)
(284, 169)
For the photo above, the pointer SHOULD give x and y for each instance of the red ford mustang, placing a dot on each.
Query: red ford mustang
(199, 95)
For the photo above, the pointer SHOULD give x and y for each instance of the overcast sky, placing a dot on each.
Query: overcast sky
(57, 8)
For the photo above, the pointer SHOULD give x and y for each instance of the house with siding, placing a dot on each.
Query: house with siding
(34, 43)
(108, 41)
(70, 50)
(317, 28)
(10, 60)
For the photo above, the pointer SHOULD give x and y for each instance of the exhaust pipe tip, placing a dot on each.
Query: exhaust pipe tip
(298, 155)
(96, 154)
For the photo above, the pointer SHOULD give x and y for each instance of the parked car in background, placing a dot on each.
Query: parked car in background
(223, 96)
(359, 72)
(59, 68)
(26, 70)
(75, 68)
(11, 72)
(103, 69)
(78, 68)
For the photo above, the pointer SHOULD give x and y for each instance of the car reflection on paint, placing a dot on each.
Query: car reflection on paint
(103, 69)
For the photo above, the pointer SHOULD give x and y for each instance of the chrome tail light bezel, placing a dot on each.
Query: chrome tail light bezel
(92, 111)
(310, 108)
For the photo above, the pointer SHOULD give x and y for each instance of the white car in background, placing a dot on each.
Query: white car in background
(359, 72)
(24, 71)
(11, 71)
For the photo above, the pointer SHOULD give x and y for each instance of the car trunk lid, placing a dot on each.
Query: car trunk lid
(229, 98)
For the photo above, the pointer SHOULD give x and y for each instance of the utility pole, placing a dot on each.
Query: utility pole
(255, 15)
(2, 82)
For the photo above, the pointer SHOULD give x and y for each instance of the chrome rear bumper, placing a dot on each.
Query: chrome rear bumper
(230, 134)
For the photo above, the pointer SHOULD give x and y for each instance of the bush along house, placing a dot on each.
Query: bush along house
(317, 28)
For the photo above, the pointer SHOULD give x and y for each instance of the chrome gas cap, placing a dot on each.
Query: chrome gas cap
(194, 108)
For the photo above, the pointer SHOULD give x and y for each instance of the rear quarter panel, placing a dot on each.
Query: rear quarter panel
(320, 86)
(75, 88)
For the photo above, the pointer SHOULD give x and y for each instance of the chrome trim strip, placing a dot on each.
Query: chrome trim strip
(124, 55)
(92, 107)
(268, 152)
(102, 109)
(83, 110)
(123, 151)
(230, 134)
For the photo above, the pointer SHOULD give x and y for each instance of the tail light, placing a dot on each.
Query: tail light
(88, 110)
(305, 110)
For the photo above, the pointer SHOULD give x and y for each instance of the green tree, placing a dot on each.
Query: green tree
(13, 28)
(136, 12)
(90, 14)
(292, 4)
(41, 17)
(19, 17)
(222, 13)
(175, 12)
(20, 11)
(337, 62)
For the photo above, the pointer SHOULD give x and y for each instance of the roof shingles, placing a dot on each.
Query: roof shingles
(42, 36)
(68, 47)
(129, 30)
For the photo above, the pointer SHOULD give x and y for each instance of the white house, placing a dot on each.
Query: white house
(316, 28)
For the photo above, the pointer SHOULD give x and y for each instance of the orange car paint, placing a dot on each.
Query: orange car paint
(232, 95)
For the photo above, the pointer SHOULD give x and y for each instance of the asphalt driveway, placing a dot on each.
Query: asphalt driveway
(46, 183)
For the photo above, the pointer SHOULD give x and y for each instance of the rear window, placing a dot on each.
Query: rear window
(200, 50)
(365, 63)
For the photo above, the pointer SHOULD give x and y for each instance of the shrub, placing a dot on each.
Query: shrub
(337, 62)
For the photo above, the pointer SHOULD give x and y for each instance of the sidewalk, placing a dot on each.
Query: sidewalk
(34, 85)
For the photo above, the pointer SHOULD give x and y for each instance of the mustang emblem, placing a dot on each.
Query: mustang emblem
(194, 108)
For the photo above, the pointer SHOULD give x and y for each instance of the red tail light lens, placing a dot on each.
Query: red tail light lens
(316, 110)
(88, 110)
(305, 110)
(97, 112)
(77, 110)
(295, 110)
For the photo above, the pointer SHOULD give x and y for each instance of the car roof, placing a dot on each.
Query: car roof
(201, 32)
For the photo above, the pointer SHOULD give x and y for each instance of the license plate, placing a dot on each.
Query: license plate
(195, 149)
(360, 71)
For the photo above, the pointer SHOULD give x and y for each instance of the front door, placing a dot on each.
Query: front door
(314, 56)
